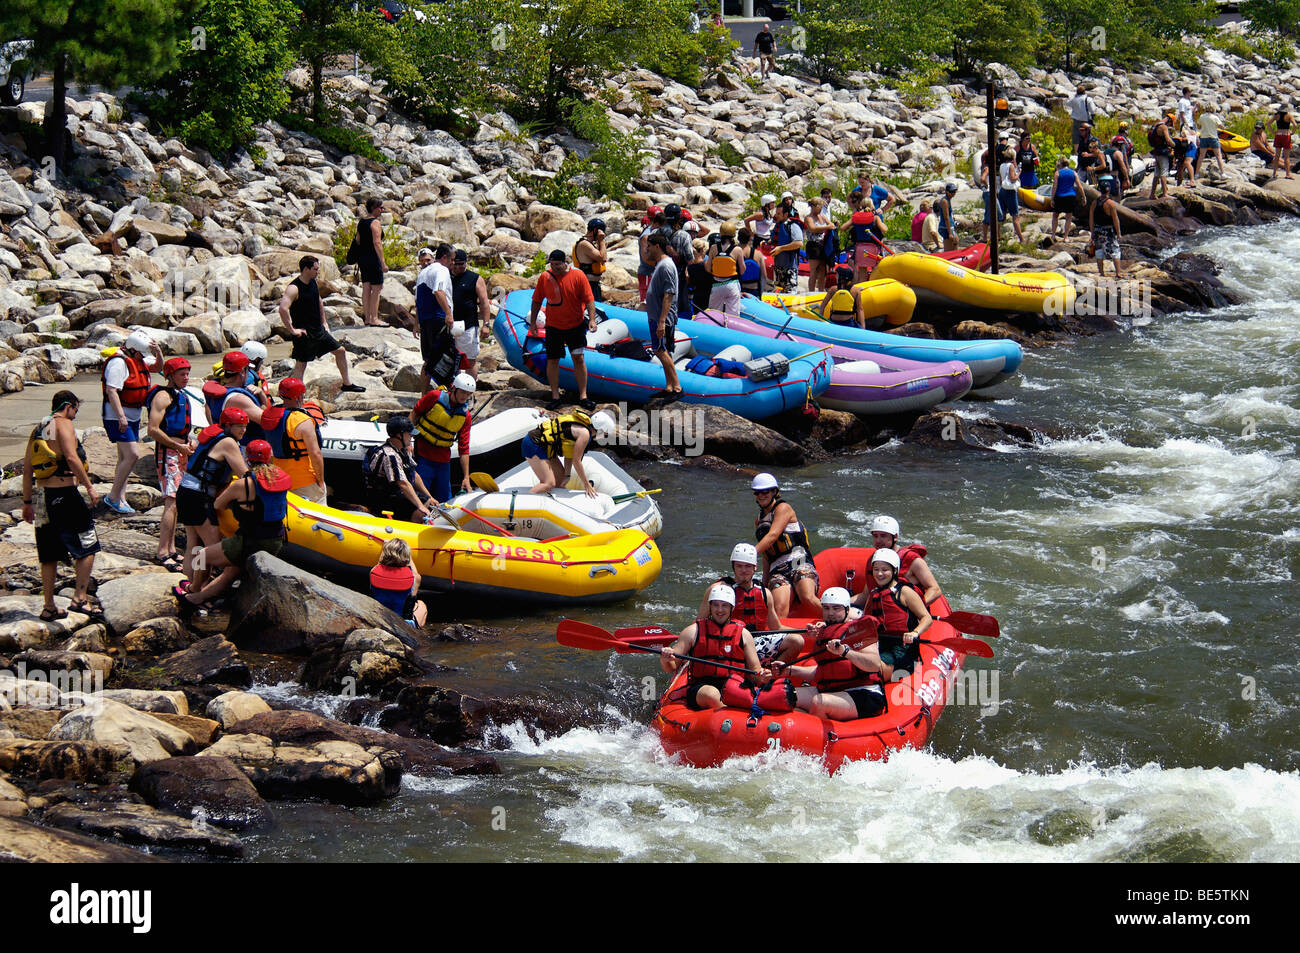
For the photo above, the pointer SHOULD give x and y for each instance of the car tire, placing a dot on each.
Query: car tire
(763, 10)
(11, 93)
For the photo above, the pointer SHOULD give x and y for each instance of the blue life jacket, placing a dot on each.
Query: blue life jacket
(205, 472)
(263, 516)
(176, 422)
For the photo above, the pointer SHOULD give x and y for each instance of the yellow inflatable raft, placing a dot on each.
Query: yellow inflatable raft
(880, 297)
(583, 570)
(944, 284)
(1230, 142)
(1031, 200)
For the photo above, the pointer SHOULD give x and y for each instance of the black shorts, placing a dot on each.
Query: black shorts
(1064, 204)
(371, 273)
(70, 533)
(194, 507)
(560, 339)
(869, 700)
(312, 345)
(695, 684)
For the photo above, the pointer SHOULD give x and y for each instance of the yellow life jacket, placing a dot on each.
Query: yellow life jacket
(840, 309)
(440, 424)
(555, 435)
(589, 268)
(46, 459)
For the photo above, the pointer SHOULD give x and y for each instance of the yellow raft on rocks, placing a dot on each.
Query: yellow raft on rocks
(945, 284)
(879, 297)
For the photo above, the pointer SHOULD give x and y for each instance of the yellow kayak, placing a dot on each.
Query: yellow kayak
(944, 284)
(1031, 200)
(1230, 142)
(583, 570)
(879, 297)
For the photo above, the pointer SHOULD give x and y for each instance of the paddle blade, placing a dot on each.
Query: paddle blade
(973, 623)
(646, 635)
(484, 481)
(584, 635)
(969, 646)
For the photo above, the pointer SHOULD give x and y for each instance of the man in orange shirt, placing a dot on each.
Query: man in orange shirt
(567, 294)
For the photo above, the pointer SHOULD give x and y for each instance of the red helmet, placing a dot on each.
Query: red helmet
(174, 364)
(233, 415)
(654, 210)
(292, 387)
(234, 362)
(686, 215)
(863, 217)
(259, 451)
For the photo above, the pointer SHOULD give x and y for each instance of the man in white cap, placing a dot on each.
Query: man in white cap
(440, 417)
(126, 379)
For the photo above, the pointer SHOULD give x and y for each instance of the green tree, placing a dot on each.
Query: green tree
(328, 29)
(992, 31)
(1081, 31)
(1280, 16)
(835, 40)
(230, 74)
(108, 43)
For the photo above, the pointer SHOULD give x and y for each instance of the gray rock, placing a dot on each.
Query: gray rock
(143, 825)
(213, 788)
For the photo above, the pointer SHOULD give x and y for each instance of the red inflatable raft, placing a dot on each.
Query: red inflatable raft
(707, 738)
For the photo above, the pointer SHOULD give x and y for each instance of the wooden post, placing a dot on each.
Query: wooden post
(995, 231)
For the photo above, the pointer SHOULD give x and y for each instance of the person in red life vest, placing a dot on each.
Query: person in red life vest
(783, 544)
(902, 615)
(171, 429)
(717, 638)
(844, 682)
(260, 502)
(914, 568)
(754, 607)
(125, 381)
(230, 389)
(294, 435)
(215, 459)
(395, 583)
(567, 294)
(440, 417)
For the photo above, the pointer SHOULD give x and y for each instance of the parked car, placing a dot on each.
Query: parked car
(13, 70)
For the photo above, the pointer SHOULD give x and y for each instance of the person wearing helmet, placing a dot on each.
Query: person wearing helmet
(303, 312)
(590, 257)
(260, 503)
(391, 476)
(899, 611)
(53, 464)
(230, 389)
(258, 374)
(125, 382)
(171, 430)
(293, 432)
(846, 675)
(215, 459)
(471, 309)
(787, 243)
(566, 436)
(681, 253)
(760, 223)
(715, 637)
(912, 565)
(567, 294)
(783, 543)
(753, 607)
(442, 417)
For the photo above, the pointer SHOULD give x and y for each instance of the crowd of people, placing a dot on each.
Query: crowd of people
(857, 645)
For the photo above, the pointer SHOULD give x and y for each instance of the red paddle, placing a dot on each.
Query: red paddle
(584, 635)
(973, 623)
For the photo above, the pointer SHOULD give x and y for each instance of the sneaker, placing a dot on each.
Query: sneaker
(587, 403)
(352, 389)
(555, 404)
(121, 507)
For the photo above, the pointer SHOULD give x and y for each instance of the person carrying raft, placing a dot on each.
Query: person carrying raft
(914, 569)
(783, 543)
(716, 637)
(753, 607)
(844, 682)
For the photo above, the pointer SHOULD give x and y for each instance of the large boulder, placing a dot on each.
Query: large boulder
(364, 662)
(213, 660)
(143, 825)
(336, 771)
(233, 707)
(211, 787)
(21, 626)
(59, 760)
(130, 600)
(541, 219)
(280, 608)
(111, 724)
(25, 842)
(696, 429)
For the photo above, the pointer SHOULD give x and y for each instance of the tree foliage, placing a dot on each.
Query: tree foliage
(1280, 16)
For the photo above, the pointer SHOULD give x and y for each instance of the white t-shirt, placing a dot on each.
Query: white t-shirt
(115, 376)
(1209, 124)
(437, 277)
(1082, 108)
(1185, 112)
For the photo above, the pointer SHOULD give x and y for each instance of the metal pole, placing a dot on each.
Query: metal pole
(994, 229)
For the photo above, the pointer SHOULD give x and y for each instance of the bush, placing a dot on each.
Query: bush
(773, 183)
(564, 190)
(536, 266)
(728, 154)
(398, 252)
(343, 138)
(618, 157)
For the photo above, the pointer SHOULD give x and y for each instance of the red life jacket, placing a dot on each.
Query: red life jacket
(720, 643)
(906, 556)
(886, 605)
(136, 386)
(751, 605)
(836, 674)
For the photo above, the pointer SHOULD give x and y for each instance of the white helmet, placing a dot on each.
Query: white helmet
(463, 381)
(137, 341)
(721, 592)
(885, 524)
(745, 553)
(764, 481)
(255, 350)
(885, 556)
(768, 199)
(603, 421)
(836, 596)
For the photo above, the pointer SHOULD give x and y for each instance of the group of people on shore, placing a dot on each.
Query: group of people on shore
(860, 643)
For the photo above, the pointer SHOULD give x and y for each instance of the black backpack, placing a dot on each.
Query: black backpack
(446, 358)
(369, 480)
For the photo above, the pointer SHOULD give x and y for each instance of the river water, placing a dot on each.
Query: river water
(1142, 702)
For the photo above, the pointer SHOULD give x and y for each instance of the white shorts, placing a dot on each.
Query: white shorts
(467, 343)
(726, 298)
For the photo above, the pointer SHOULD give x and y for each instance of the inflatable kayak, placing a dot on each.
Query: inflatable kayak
(585, 570)
(878, 298)
(942, 284)
(865, 382)
(620, 503)
(989, 361)
(1231, 143)
(755, 396)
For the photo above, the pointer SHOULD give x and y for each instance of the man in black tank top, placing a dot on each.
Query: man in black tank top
(469, 304)
(303, 315)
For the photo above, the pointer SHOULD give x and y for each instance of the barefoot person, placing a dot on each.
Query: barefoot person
(303, 314)
(564, 437)
(65, 529)
(370, 262)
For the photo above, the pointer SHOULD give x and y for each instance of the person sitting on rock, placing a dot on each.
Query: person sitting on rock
(260, 502)
(783, 543)
(54, 464)
(754, 607)
(715, 637)
(1259, 146)
(395, 582)
(391, 475)
(565, 436)
(215, 459)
